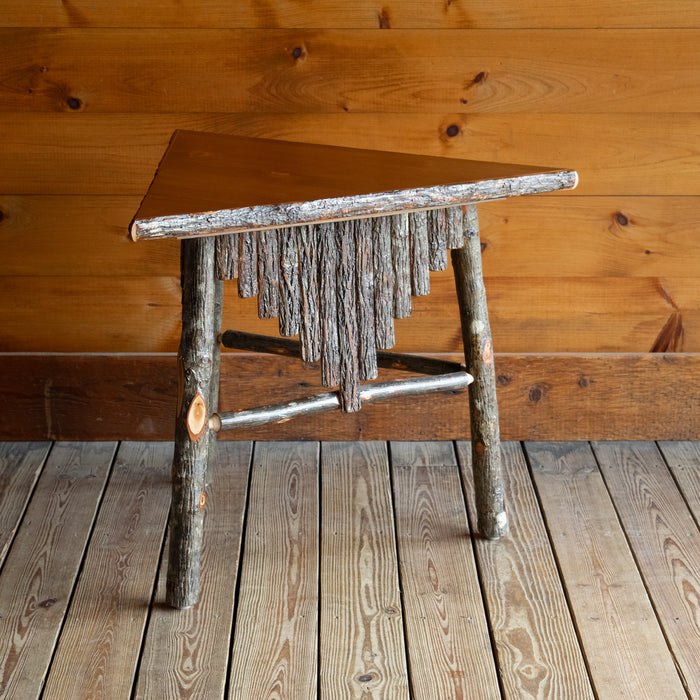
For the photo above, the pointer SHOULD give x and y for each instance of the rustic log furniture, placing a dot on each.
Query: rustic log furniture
(333, 241)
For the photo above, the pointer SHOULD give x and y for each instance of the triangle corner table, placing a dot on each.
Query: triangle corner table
(334, 242)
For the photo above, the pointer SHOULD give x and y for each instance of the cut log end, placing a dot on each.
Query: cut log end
(197, 417)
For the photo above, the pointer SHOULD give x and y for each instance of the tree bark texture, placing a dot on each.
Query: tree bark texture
(364, 269)
(483, 408)
(383, 282)
(268, 275)
(328, 262)
(247, 265)
(309, 317)
(400, 252)
(289, 283)
(196, 368)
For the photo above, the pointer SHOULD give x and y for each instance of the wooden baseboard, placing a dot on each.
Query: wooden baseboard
(541, 397)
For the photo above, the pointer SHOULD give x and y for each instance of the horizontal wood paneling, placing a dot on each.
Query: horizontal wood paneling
(44, 235)
(541, 397)
(142, 314)
(330, 70)
(633, 154)
(366, 14)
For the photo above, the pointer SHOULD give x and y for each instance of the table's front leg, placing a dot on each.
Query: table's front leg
(483, 409)
(197, 373)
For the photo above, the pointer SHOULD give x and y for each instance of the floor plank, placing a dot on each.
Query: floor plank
(362, 643)
(20, 465)
(186, 652)
(447, 635)
(625, 649)
(100, 644)
(665, 541)
(538, 652)
(683, 459)
(274, 647)
(38, 577)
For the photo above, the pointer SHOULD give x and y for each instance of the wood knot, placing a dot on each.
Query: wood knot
(384, 19)
(537, 392)
(366, 678)
(621, 219)
(452, 130)
(48, 603)
(298, 53)
(503, 379)
(74, 103)
(479, 77)
(2, 215)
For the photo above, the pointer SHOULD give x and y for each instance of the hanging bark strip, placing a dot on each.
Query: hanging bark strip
(346, 298)
(289, 283)
(328, 264)
(227, 256)
(437, 239)
(483, 409)
(268, 274)
(320, 403)
(195, 363)
(402, 265)
(364, 267)
(383, 282)
(309, 319)
(455, 227)
(418, 236)
(247, 265)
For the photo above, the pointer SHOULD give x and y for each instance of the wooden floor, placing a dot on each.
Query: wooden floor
(347, 570)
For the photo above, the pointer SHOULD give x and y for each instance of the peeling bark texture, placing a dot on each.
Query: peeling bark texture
(483, 408)
(418, 236)
(346, 297)
(289, 283)
(328, 264)
(309, 319)
(437, 239)
(364, 269)
(196, 360)
(227, 256)
(402, 265)
(454, 227)
(268, 275)
(247, 265)
(383, 282)
(259, 218)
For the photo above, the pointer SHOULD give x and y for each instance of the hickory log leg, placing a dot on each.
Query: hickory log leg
(478, 354)
(192, 434)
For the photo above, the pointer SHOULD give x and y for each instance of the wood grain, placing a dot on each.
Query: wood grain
(274, 646)
(538, 652)
(362, 14)
(101, 639)
(39, 574)
(362, 654)
(334, 70)
(580, 237)
(185, 654)
(683, 459)
(665, 542)
(20, 466)
(536, 315)
(625, 649)
(614, 154)
(540, 397)
(447, 635)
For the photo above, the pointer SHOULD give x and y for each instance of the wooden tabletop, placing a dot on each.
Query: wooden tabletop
(209, 184)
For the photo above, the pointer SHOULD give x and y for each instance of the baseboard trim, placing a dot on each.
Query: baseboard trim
(541, 397)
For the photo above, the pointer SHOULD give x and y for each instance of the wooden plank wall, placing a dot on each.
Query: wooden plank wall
(90, 94)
